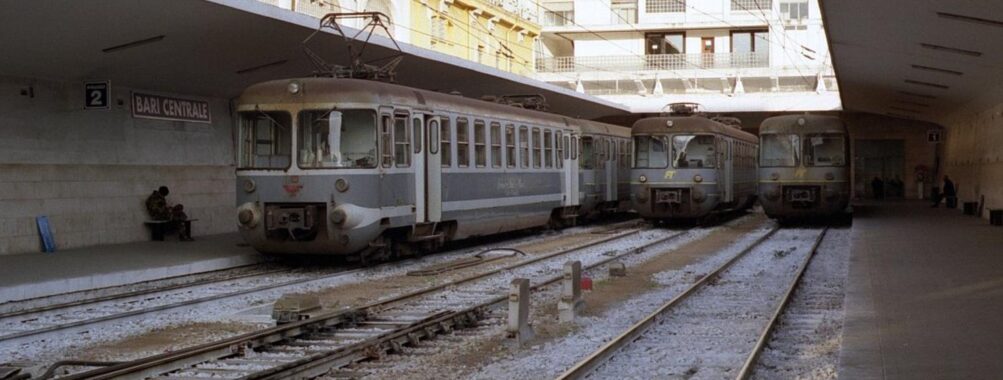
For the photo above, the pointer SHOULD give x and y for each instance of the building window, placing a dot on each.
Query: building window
(751, 5)
(624, 12)
(664, 43)
(665, 6)
(748, 41)
(558, 13)
(438, 30)
(793, 10)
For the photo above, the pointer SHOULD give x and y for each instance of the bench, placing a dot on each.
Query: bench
(159, 227)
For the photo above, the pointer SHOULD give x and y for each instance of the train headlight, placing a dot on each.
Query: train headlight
(294, 87)
(338, 216)
(643, 178)
(697, 178)
(829, 176)
(249, 185)
(699, 196)
(775, 176)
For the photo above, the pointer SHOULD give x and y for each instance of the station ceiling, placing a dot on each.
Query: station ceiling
(218, 47)
(915, 59)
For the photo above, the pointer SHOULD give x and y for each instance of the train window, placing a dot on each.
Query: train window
(480, 144)
(387, 138)
(780, 150)
(462, 142)
(433, 136)
(337, 139)
(548, 148)
(416, 128)
(447, 141)
(510, 146)
(652, 152)
(402, 140)
(588, 153)
(266, 140)
(566, 147)
(693, 151)
(824, 150)
(574, 147)
(496, 145)
(523, 146)
(561, 141)
(534, 141)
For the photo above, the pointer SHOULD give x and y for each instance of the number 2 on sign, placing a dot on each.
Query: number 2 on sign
(669, 174)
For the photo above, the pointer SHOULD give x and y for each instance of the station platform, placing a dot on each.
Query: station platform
(924, 297)
(33, 275)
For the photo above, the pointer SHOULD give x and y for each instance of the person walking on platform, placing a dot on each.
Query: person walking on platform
(156, 205)
(878, 186)
(950, 193)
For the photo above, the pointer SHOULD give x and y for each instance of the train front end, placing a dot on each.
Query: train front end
(674, 175)
(803, 170)
(307, 168)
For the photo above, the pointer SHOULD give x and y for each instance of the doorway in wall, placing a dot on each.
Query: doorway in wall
(883, 159)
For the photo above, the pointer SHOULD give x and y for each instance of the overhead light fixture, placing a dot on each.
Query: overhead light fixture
(977, 20)
(262, 66)
(911, 103)
(130, 45)
(937, 70)
(928, 84)
(916, 94)
(948, 49)
(905, 109)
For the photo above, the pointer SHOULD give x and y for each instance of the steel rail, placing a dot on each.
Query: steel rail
(597, 358)
(134, 293)
(319, 364)
(169, 361)
(753, 357)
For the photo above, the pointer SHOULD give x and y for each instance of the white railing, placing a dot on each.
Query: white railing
(751, 5)
(652, 62)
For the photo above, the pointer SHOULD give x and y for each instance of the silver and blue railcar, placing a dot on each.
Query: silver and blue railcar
(604, 168)
(804, 170)
(687, 167)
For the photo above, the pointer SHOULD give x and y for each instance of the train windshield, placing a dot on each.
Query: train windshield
(693, 151)
(337, 139)
(651, 152)
(265, 140)
(779, 150)
(824, 150)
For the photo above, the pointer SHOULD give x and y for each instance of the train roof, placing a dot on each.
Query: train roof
(690, 124)
(597, 128)
(335, 90)
(812, 124)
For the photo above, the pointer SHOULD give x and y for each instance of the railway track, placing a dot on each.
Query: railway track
(717, 327)
(312, 347)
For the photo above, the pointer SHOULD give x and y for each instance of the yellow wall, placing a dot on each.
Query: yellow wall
(468, 34)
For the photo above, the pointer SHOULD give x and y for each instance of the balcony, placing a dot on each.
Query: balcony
(655, 62)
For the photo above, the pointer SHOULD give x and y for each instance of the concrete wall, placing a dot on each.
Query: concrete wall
(973, 149)
(913, 134)
(90, 171)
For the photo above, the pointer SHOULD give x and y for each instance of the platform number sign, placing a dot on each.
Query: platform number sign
(933, 136)
(96, 95)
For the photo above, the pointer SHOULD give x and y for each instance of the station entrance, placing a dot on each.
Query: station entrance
(883, 160)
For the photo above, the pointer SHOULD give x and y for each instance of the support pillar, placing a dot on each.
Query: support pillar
(518, 311)
(571, 303)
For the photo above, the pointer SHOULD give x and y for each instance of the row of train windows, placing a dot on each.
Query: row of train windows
(478, 143)
(597, 152)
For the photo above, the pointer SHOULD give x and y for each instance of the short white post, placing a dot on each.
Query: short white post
(518, 311)
(617, 269)
(571, 292)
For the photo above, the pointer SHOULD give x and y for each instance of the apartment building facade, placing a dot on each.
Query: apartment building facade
(729, 55)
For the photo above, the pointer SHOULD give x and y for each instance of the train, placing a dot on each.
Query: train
(804, 171)
(370, 170)
(688, 166)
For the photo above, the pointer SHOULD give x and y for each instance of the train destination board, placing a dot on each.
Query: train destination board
(150, 106)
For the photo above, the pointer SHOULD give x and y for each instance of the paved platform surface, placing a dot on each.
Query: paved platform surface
(39, 274)
(925, 295)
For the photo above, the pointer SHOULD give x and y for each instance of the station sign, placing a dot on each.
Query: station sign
(160, 107)
(933, 136)
(97, 95)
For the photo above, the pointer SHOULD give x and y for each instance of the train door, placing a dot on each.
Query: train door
(420, 167)
(433, 169)
(611, 163)
(728, 185)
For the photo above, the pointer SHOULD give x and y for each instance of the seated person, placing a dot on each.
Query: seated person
(156, 205)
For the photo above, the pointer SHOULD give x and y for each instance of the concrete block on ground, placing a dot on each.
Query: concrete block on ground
(518, 311)
(571, 303)
(617, 269)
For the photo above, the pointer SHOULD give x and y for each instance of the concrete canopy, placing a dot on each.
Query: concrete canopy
(218, 47)
(916, 59)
